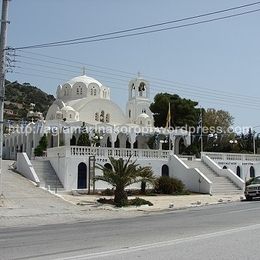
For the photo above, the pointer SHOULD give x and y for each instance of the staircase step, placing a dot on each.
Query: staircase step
(47, 175)
(220, 184)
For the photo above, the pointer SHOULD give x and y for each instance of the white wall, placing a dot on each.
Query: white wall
(66, 168)
(24, 167)
(224, 172)
(193, 179)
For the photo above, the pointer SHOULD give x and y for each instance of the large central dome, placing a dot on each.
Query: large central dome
(84, 79)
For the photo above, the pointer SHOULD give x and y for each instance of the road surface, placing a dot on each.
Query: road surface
(227, 231)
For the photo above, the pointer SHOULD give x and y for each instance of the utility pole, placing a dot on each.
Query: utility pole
(201, 132)
(3, 40)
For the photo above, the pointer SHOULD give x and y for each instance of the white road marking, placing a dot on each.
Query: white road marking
(160, 244)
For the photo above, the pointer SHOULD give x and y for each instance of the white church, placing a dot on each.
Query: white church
(83, 104)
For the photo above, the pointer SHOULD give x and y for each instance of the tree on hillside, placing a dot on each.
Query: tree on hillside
(183, 111)
(123, 174)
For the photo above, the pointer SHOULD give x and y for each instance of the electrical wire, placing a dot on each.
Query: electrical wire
(154, 84)
(148, 77)
(103, 37)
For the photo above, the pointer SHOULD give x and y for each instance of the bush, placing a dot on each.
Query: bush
(139, 202)
(169, 185)
(38, 151)
(43, 143)
(134, 202)
(107, 192)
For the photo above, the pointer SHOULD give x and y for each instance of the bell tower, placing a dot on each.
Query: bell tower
(138, 100)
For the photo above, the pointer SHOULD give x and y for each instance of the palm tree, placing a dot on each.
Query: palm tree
(122, 175)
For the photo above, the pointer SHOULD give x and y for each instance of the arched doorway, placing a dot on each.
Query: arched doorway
(225, 167)
(73, 140)
(108, 166)
(238, 171)
(128, 144)
(82, 176)
(165, 170)
(117, 143)
(109, 144)
(252, 172)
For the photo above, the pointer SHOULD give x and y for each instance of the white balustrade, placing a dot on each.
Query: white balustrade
(75, 151)
(232, 156)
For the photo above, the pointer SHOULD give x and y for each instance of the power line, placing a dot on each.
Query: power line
(194, 94)
(107, 36)
(150, 78)
(154, 83)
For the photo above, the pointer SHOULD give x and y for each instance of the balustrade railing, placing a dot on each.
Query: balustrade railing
(75, 151)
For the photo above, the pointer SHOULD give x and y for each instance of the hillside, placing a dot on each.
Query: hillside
(18, 98)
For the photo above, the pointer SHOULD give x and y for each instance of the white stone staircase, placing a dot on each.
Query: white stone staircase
(47, 175)
(220, 184)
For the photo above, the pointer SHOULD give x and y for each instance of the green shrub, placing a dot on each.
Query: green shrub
(139, 202)
(134, 202)
(108, 192)
(43, 144)
(169, 185)
(38, 151)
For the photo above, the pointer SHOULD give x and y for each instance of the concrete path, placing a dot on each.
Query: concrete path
(25, 204)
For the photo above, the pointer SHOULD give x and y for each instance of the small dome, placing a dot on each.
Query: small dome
(67, 108)
(143, 115)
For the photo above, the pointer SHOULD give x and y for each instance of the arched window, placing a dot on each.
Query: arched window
(225, 167)
(77, 91)
(144, 110)
(107, 118)
(95, 92)
(82, 176)
(96, 117)
(91, 92)
(108, 166)
(252, 172)
(238, 171)
(129, 113)
(102, 116)
(80, 90)
(165, 170)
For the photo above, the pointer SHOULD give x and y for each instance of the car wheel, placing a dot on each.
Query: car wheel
(249, 198)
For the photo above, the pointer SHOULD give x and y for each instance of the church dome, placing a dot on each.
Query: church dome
(67, 108)
(143, 115)
(84, 79)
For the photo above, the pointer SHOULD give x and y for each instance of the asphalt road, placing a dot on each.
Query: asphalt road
(228, 231)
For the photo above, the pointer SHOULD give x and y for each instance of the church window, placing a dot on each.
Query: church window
(95, 92)
(102, 116)
(91, 92)
(144, 110)
(107, 118)
(80, 91)
(70, 115)
(96, 117)
(77, 91)
(129, 113)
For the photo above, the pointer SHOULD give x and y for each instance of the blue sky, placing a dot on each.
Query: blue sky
(209, 59)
